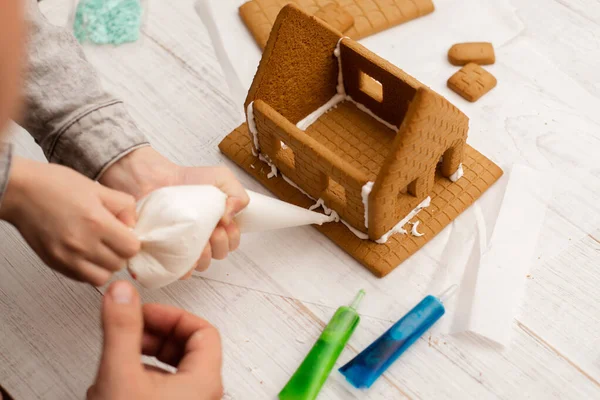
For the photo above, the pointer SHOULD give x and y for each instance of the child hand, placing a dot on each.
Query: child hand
(173, 336)
(76, 226)
(145, 170)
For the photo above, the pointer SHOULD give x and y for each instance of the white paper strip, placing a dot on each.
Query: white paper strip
(234, 46)
(504, 265)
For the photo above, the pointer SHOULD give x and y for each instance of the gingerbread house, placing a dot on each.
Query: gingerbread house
(339, 125)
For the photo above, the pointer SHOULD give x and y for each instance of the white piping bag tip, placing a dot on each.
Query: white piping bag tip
(266, 213)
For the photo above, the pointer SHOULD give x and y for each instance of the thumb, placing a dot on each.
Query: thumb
(121, 205)
(122, 324)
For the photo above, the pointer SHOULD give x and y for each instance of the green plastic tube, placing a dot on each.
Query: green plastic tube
(310, 376)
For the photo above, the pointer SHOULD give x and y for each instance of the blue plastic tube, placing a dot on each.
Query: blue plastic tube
(364, 369)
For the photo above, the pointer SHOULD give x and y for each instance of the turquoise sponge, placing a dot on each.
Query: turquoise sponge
(108, 21)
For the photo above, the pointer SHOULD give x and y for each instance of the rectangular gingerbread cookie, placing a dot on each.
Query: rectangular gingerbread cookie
(481, 53)
(336, 16)
(472, 82)
(368, 16)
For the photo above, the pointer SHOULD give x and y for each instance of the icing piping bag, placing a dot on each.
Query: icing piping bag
(364, 369)
(175, 223)
(310, 376)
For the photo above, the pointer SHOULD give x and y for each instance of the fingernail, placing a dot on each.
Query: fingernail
(122, 293)
(231, 216)
(198, 335)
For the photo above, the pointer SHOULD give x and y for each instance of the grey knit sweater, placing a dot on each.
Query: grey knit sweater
(76, 123)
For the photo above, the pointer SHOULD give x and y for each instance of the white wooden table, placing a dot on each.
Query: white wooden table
(271, 298)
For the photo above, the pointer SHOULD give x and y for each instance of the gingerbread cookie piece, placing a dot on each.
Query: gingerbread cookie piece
(472, 82)
(369, 16)
(481, 53)
(336, 16)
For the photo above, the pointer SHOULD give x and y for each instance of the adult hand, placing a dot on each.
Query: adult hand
(77, 227)
(171, 335)
(145, 170)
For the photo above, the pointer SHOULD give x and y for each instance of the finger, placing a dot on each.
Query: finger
(119, 238)
(122, 325)
(205, 259)
(151, 342)
(202, 359)
(166, 331)
(233, 233)
(121, 205)
(219, 243)
(104, 257)
(57, 265)
(91, 273)
(233, 206)
(91, 392)
(237, 197)
(187, 276)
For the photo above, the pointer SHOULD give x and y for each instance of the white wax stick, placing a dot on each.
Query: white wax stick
(505, 263)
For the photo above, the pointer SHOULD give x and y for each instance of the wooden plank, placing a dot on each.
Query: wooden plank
(49, 327)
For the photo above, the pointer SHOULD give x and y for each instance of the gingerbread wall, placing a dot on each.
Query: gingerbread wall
(298, 71)
(398, 88)
(432, 128)
(310, 164)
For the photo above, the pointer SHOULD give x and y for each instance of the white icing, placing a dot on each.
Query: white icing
(336, 218)
(319, 203)
(293, 184)
(458, 174)
(327, 210)
(399, 226)
(366, 191)
(414, 230)
(359, 234)
(338, 54)
(332, 103)
(283, 145)
(252, 126)
(364, 109)
(265, 158)
(314, 116)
